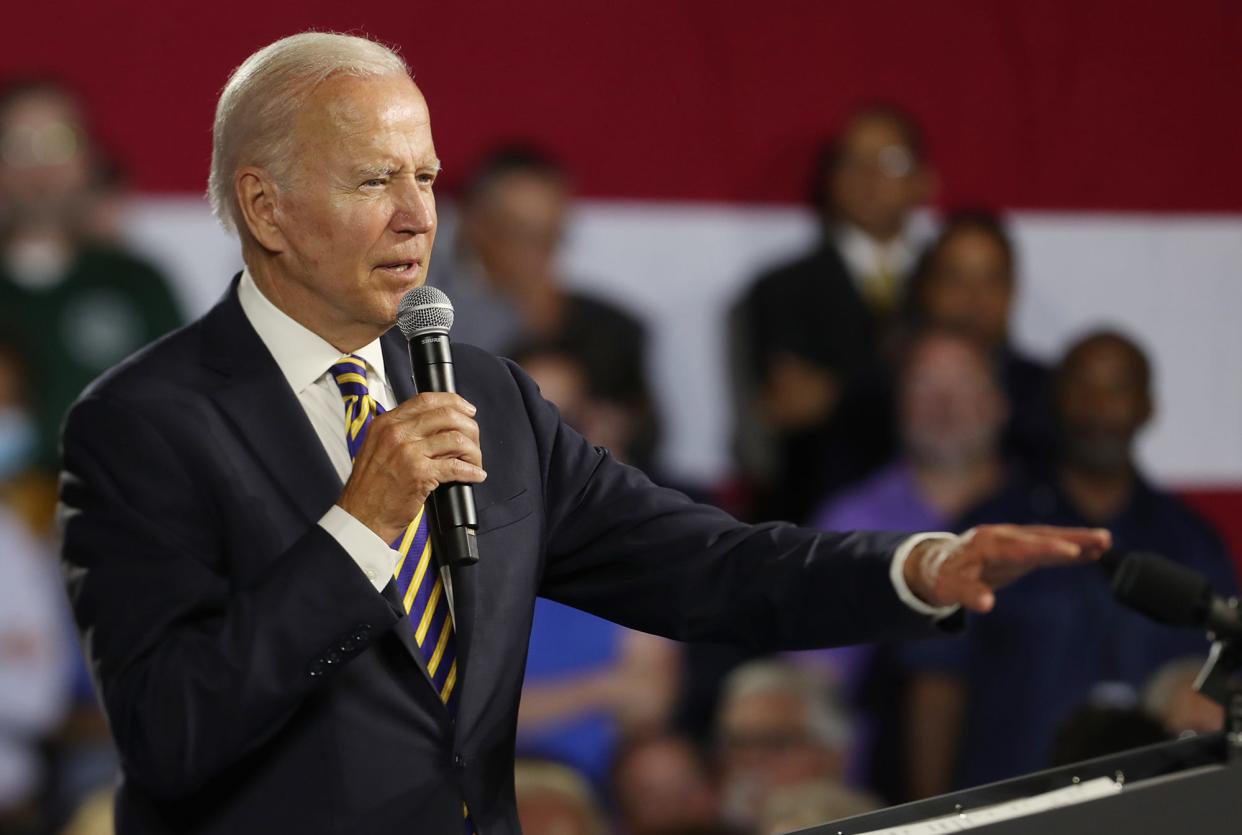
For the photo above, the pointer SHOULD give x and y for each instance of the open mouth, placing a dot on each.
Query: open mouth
(400, 268)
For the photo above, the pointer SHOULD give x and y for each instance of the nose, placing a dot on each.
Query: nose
(414, 211)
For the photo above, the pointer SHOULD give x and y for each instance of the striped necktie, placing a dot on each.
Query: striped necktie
(418, 578)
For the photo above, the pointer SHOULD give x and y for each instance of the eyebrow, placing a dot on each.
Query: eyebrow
(386, 168)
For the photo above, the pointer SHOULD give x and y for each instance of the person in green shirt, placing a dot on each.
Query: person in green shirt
(75, 303)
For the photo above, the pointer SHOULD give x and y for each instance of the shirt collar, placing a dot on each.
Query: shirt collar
(866, 256)
(302, 355)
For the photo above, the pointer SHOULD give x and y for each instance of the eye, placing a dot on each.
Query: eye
(427, 178)
(375, 182)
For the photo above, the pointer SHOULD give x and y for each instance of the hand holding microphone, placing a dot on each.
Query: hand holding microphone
(426, 450)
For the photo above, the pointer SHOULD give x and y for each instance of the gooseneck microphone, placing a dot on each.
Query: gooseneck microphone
(1174, 595)
(425, 316)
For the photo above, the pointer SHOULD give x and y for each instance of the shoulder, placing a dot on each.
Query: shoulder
(1173, 514)
(814, 264)
(121, 266)
(863, 504)
(588, 310)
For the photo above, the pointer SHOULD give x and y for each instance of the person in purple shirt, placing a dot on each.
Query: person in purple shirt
(951, 414)
(988, 704)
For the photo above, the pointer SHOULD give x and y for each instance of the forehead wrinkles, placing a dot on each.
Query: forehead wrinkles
(343, 117)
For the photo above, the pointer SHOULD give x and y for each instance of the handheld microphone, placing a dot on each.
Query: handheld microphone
(1174, 595)
(425, 316)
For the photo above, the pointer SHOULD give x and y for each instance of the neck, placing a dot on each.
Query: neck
(309, 309)
(1097, 496)
(951, 489)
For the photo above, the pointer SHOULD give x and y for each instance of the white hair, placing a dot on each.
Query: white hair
(827, 720)
(533, 778)
(263, 95)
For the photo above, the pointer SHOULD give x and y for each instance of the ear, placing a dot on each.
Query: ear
(256, 199)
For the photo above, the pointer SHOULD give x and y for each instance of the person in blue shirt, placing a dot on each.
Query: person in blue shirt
(986, 706)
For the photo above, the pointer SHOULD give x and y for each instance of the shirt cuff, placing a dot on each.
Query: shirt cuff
(897, 574)
(374, 556)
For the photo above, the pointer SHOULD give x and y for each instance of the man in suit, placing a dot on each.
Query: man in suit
(811, 336)
(273, 640)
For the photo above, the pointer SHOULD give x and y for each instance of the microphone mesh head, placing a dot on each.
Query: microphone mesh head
(424, 310)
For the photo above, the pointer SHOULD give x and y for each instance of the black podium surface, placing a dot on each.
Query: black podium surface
(1187, 787)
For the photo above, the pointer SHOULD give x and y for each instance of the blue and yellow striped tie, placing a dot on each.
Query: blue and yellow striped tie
(417, 576)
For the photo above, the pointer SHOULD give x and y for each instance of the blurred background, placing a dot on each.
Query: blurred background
(853, 265)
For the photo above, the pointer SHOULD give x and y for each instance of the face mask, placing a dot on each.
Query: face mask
(18, 438)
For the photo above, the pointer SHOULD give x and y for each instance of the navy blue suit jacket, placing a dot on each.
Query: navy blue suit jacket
(254, 679)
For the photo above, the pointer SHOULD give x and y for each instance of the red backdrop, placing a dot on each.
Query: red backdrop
(1061, 104)
(1083, 104)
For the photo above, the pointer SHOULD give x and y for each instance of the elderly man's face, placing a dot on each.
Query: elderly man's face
(359, 216)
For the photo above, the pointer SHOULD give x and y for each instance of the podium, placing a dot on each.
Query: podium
(1191, 786)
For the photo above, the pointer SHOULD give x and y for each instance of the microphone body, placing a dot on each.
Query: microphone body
(1175, 595)
(453, 520)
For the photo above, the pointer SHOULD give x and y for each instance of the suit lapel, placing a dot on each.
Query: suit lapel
(267, 415)
(464, 580)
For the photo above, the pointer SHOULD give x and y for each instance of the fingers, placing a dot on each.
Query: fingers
(1089, 539)
(977, 597)
(455, 470)
(413, 425)
(453, 444)
(428, 401)
(1032, 545)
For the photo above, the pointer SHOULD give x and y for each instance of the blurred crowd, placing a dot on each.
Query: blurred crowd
(876, 386)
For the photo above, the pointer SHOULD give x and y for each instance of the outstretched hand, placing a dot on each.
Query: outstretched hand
(969, 569)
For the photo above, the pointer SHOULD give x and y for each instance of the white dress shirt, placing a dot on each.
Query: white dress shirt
(865, 257)
(305, 359)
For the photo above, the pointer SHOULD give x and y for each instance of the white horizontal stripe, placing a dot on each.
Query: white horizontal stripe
(1175, 281)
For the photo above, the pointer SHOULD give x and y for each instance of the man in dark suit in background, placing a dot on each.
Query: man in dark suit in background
(273, 639)
(813, 406)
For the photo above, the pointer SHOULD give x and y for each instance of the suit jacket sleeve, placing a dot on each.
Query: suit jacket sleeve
(193, 672)
(651, 559)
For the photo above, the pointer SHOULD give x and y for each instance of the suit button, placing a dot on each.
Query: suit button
(333, 657)
(347, 646)
(459, 761)
(317, 668)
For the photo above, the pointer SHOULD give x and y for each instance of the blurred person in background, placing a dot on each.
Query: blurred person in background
(563, 376)
(76, 303)
(509, 295)
(989, 703)
(590, 684)
(1101, 729)
(81, 756)
(1171, 698)
(967, 281)
(809, 380)
(25, 490)
(34, 671)
(951, 412)
(801, 806)
(780, 725)
(661, 784)
(553, 799)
